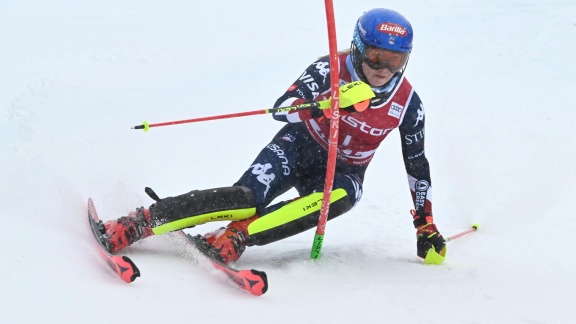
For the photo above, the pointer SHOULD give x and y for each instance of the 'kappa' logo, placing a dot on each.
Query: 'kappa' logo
(420, 117)
(289, 137)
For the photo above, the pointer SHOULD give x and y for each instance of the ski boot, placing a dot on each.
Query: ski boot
(126, 230)
(228, 243)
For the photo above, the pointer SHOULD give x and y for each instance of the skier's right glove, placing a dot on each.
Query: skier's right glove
(427, 235)
(317, 112)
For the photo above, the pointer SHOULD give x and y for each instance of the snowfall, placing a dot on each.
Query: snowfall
(497, 79)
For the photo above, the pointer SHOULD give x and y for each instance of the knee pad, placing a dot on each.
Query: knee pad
(201, 206)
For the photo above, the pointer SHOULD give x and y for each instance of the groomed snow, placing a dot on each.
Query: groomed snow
(498, 82)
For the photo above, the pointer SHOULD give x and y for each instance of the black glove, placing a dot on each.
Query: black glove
(316, 112)
(428, 236)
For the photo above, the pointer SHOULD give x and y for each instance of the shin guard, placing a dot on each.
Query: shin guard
(201, 206)
(295, 217)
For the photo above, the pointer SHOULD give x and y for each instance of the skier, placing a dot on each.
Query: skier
(297, 156)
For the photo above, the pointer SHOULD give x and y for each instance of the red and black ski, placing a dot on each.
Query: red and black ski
(253, 281)
(121, 265)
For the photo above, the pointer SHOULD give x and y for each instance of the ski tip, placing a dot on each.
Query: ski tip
(475, 226)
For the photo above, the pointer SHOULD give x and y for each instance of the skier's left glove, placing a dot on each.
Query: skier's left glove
(357, 107)
(427, 235)
(354, 97)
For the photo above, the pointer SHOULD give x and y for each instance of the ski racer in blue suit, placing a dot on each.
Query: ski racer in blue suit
(297, 156)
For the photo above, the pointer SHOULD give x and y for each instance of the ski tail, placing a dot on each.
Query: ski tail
(121, 265)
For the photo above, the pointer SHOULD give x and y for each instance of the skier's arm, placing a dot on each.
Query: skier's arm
(307, 88)
(417, 167)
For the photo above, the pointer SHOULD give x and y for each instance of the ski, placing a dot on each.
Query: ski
(253, 281)
(121, 265)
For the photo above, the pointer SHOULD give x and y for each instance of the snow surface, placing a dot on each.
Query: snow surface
(498, 82)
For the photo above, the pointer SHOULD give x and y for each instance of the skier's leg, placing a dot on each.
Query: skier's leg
(183, 211)
(290, 218)
(201, 206)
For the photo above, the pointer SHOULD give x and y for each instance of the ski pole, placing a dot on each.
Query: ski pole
(145, 126)
(433, 257)
(470, 230)
(357, 94)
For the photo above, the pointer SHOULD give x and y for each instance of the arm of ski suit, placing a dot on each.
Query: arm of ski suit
(417, 167)
(312, 85)
(430, 244)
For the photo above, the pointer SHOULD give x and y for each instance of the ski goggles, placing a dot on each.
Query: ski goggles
(378, 58)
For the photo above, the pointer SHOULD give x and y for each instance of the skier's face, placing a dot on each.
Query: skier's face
(379, 65)
(376, 78)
